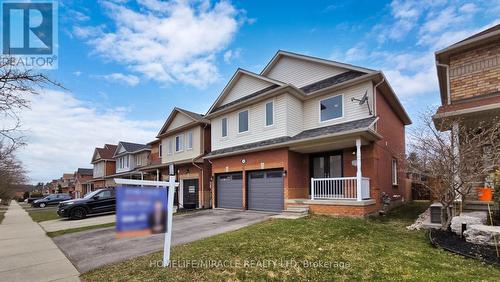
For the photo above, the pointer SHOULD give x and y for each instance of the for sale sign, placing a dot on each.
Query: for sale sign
(141, 211)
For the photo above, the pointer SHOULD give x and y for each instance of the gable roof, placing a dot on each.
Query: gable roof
(195, 117)
(105, 153)
(130, 148)
(336, 79)
(234, 79)
(282, 53)
(85, 171)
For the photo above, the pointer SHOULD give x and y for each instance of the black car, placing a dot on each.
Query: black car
(52, 199)
(99, 201)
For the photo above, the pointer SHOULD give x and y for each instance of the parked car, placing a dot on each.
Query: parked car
(52, 199)
(30, 200)
(99, 201)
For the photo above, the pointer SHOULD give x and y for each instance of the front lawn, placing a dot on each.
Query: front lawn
(2, 215)
(342, 248)
(43, 215)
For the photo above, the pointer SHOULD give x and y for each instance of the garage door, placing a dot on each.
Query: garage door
(229, 191)
(265, 190)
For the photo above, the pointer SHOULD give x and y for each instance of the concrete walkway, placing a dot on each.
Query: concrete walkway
(27, 254)
(65, 223)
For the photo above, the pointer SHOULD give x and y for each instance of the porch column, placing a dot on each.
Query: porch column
(157, 175)
(358, 169)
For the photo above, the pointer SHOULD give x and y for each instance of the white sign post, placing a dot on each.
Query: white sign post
(170, 185)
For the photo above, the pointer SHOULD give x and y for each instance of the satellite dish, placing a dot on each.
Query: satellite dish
(363, 100)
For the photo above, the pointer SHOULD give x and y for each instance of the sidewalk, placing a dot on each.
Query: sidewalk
(27, 254)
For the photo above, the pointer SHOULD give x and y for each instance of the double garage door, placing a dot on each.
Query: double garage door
(264, 190)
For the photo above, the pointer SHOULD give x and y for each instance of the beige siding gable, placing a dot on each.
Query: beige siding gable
(243, 86)
(186, 153)
(301, 72)
(178, 121)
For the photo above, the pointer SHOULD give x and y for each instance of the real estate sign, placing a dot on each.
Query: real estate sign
(141, 211)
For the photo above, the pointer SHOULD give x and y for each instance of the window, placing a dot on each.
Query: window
(160, 150)
(331, 108)
(243, 121)
(224, 127)
(190, 140)
(179, 143)
(127, 159)
(170, 147)
(394, 172)
(269, 113)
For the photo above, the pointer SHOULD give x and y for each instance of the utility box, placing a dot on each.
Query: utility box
(436, 210)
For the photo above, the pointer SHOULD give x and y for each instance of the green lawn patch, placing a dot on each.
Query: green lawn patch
(2, 215)
(43, 215)
(79, 229)
(350, 249)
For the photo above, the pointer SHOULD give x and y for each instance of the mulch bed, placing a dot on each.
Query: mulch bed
(456, 244)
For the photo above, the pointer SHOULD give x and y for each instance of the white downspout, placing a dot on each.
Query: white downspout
(448, 92)
(375, 96)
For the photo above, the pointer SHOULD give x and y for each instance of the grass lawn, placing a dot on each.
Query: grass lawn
(2, 215)
(43, 215)
(79, 229)
(375, 249)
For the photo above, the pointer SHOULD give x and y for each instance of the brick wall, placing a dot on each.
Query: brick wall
(189, 171)
(391, 147)
(475, 72)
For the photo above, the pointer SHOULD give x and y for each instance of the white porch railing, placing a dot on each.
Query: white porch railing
(339, 188)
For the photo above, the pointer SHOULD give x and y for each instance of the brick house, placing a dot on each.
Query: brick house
(67, 183)
(103, 166)
(307, 132)
(182, 142)
(82, 176)
(469, 83)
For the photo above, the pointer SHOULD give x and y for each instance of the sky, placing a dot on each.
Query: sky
(125, 64)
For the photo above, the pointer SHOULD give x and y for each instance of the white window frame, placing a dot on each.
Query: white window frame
(248, 121)
(326, 98)
(181, 144)
(394, 170)
(265, 113)
(222, 127)
(189, 143)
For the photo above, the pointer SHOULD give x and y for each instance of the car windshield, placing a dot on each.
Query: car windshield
(91, 194)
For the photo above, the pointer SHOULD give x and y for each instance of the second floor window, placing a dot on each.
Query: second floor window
(170, 148)
(224, 127)
(331, 108)
(160, 150)
(179, 143)
(243, 121)
(190, 140)
(269, 113)
(394, 172)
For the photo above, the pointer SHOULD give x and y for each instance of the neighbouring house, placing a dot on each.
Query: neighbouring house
(469, 83)
(104, 165)
(182, 142)
(155, 169)
(67, 184)
(82, 176)
(307, 133)
(129, 158)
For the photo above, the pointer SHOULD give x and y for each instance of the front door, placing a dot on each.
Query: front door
(190, 193)
(326, 165)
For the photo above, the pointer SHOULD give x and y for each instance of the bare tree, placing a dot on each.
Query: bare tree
(16, 87)
(454, 162)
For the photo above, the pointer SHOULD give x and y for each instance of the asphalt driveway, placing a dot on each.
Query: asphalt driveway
(91, 249)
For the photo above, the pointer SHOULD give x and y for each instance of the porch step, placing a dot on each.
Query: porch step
(298, 209)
